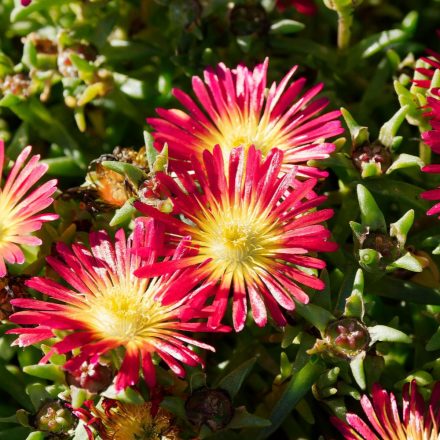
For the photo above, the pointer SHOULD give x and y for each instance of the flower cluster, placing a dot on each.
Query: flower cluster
(244, 224)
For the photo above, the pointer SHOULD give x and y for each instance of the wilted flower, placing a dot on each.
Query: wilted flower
(108, 307)
(386, 422)
(253, 230)
(212, 407)
(127, 421)
(10, 288)
(21, 208)
(238, 112)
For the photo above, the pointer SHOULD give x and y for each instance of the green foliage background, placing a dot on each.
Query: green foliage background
(136, 51)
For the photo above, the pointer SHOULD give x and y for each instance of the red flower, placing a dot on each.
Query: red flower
(108, 307)
(253, 229)
(238, 112)
(306, 7)
(386, 422)
(20, 207)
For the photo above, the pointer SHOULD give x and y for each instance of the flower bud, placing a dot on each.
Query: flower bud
(375, 156)
(92, 377)
(347, 337)
(54, 417)
(18, 84)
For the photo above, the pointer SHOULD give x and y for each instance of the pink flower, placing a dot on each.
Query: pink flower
(238, 112)
(432, 138)
(306, 7)
(253, 230)
(107, 307)
(21, 208)
(415, 421)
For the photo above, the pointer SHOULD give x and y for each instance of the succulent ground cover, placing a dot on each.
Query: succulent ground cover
(219, 219)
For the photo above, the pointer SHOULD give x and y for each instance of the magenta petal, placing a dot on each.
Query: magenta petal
(129, 372)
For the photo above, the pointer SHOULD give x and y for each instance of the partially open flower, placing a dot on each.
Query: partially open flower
(415, 421)
(238, 111)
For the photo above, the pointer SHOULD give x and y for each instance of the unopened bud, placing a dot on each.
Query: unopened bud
(347, 337)
(54, 417)
(92, 377)
(368, 155)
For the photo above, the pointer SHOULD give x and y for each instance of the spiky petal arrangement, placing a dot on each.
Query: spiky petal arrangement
(237, 112)
(432, 138)
(253, 229)
(21, 207)
(386, 423)
(127, 421)
(108, 307)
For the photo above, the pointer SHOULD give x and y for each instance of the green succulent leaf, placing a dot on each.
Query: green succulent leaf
(233, 381)
(389, 334)
(371, 215)
(286, 26)
(243, 419)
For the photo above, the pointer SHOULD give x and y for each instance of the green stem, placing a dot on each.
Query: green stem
(345, 21)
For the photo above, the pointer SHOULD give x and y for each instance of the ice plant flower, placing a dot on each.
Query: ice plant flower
(432, 138)
(306, 7)
(425, 78)
(21, 207)
(237, 112)
(108, 307)
(386, 422)
(253, 229)
(127, 421)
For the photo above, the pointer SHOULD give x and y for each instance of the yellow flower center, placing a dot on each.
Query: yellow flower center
(244, 130)
(235, 243)
(236, 238)
(126, 313)
(135, 422)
